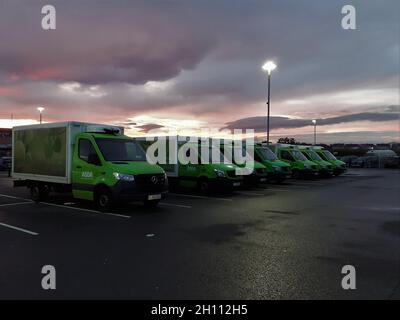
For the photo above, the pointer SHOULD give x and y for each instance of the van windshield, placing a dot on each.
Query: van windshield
(298, 155)
(312, 155)
(120, 149)
(267, 154)
(329, 155)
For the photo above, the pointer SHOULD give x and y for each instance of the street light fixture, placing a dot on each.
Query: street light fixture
(315, 131)
(40, 109)
(268, 66)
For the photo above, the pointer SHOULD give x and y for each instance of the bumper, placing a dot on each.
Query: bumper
(222, 184)
(131, 191)
(338, 170)
(279, 175)
(254, 179)
(309, 173)
(325, 172)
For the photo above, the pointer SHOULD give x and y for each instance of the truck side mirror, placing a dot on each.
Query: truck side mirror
(94, 159)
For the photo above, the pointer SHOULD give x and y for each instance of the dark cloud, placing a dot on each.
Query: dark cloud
(148, 127)
(259, 123)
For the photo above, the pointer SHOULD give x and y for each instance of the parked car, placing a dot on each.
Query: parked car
(366, 162)
(348, 160)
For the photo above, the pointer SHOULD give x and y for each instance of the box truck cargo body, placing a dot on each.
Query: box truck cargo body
(96, 162)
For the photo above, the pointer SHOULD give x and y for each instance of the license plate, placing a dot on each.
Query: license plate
(236, 184)
(263, 179)
(154, 197)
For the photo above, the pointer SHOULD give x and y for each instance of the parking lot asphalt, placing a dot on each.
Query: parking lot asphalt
(286, 241)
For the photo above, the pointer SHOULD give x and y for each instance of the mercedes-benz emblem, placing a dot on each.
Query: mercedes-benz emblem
(154, 179)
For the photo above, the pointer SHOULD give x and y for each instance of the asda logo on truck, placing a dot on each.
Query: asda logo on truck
(87, 174)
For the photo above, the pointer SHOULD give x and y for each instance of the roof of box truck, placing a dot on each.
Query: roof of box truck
(90, 127)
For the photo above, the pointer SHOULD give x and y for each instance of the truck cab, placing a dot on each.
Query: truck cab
(300, 165)
(325, 169)
(259, 174)
(205, 174)
(339, 167)
(277, 170)
(110, 168)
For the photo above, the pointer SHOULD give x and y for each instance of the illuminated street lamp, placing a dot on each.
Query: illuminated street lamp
(40, 109)
(315, 131)
(268, 66)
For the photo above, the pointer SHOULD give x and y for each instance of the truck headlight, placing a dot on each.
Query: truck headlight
(220, 173)
(124, 176)
(278, 169)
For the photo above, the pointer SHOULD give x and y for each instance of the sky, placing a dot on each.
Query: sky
(162, 65)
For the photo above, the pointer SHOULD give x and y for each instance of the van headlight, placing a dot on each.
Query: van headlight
(279, 169)
(124, 176)
(220, 173)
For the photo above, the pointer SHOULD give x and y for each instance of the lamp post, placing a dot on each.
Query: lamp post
(40, 109)
(269, 66)
(315, 131)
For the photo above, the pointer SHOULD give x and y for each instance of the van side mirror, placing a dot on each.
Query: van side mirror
(94, 159)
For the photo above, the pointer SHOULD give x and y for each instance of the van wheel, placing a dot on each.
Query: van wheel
(103, 199)
(296, 174)
(204, 185)
(151, 203)
(38, 192)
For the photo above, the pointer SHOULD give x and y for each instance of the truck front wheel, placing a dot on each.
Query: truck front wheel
(203, 185)
(103, 199)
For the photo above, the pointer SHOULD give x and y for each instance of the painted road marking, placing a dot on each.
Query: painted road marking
(199, 197)
(14, 204)
(19, 229)
(86, 210)
(68, 207)
(12, 197)
(168, 204)
(250, 193)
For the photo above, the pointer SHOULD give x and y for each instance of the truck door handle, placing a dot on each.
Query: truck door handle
(78, 167)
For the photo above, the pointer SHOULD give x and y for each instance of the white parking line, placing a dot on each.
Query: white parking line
(14, 204)
(68, 207)
(168, 204)
(278, 189)
(200, 197)
(87, 210)
(12, 197)
(19, 229)
(249, 193)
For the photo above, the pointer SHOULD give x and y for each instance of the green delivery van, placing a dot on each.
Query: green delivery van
(325, 168)
(277, 170)
(300, 165)
(259, 174)
(339, 167)
(95, 162)
(201, 174)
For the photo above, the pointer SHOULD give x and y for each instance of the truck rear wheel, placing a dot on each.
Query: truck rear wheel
(38, 192)
(103, 199)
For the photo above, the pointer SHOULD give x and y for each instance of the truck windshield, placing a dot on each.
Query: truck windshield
(329, 155)
(312, 155)
(267, 154)
(298, 155)
(120, 149)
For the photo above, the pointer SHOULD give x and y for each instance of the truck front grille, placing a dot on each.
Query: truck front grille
(150, 181)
